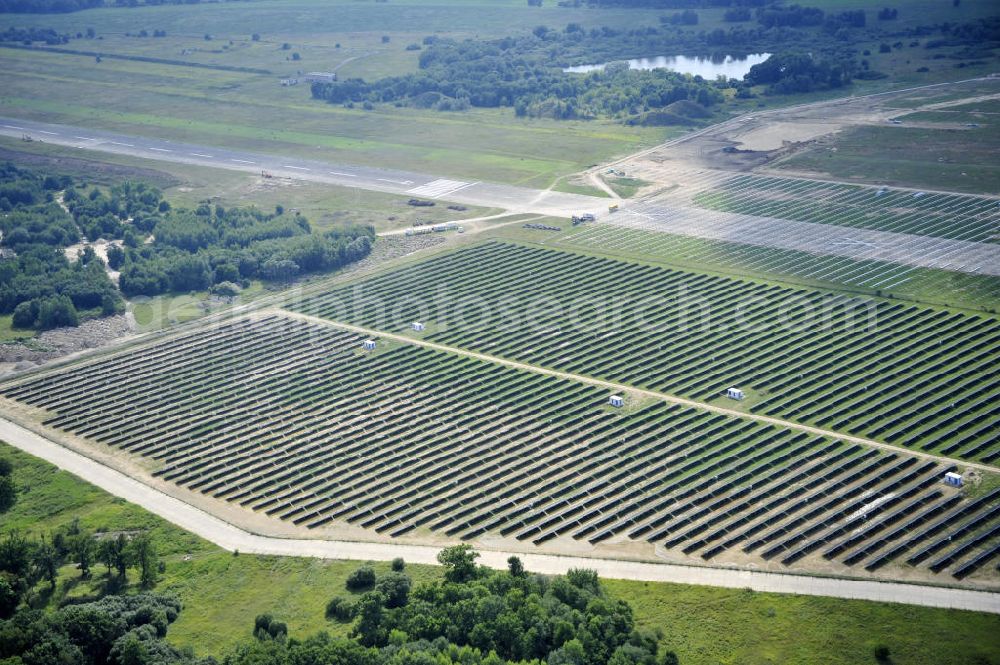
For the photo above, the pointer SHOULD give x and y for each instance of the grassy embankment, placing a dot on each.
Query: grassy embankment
(222, 593)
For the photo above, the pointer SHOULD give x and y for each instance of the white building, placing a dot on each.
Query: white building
(320, 77)
(953, 479)
(369, 345)
(617, 401)
(735, 393)
(417, 326)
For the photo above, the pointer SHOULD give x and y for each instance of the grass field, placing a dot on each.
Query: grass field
(251, 111)
(7, 331)
(222, 593)
(954, 158)
(185, 185)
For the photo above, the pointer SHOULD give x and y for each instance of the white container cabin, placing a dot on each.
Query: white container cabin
(735, 393)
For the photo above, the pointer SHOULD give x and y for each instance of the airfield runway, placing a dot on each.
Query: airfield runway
(509, 197)
(650, 214)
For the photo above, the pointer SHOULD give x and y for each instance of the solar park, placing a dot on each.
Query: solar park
(818, 233)
(569, 433)
(917, 377)
(941, 215)
(874, 276)
(292, 419)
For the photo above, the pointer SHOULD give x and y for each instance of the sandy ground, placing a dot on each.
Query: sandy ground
(100, 247)
(769, 135)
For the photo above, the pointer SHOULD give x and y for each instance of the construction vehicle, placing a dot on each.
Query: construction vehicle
(580, 219)
(266, 175)
(26, 138)
(613, 207)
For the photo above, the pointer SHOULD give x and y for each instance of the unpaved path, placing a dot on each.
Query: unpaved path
(597, 181)
(231, 538)
(618, 387)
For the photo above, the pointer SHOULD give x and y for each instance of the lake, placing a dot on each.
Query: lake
(708, 67)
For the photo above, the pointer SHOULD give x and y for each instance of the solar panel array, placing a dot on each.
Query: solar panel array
(904, 374)
(293, 420)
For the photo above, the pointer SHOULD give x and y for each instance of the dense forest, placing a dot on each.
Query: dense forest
(474, 616)
(39, 285)
(213, 247)
(504, 73)
(159, 250)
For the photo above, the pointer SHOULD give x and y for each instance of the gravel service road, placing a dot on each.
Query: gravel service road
(231, 538)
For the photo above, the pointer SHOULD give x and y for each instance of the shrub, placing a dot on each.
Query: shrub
(361, 579)
(395, 587)
(341, 609)
(25, 314)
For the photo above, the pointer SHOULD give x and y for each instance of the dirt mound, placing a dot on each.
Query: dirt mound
(59, 342)
(683, 112)
(688, 109)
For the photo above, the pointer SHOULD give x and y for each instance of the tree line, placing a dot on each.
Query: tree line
(474, 616)
(212, 246)
(26, 561)
(68, 6)
(115, 630)
(525, 73)
(47, 6)
(33, 34)
(517, 73)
